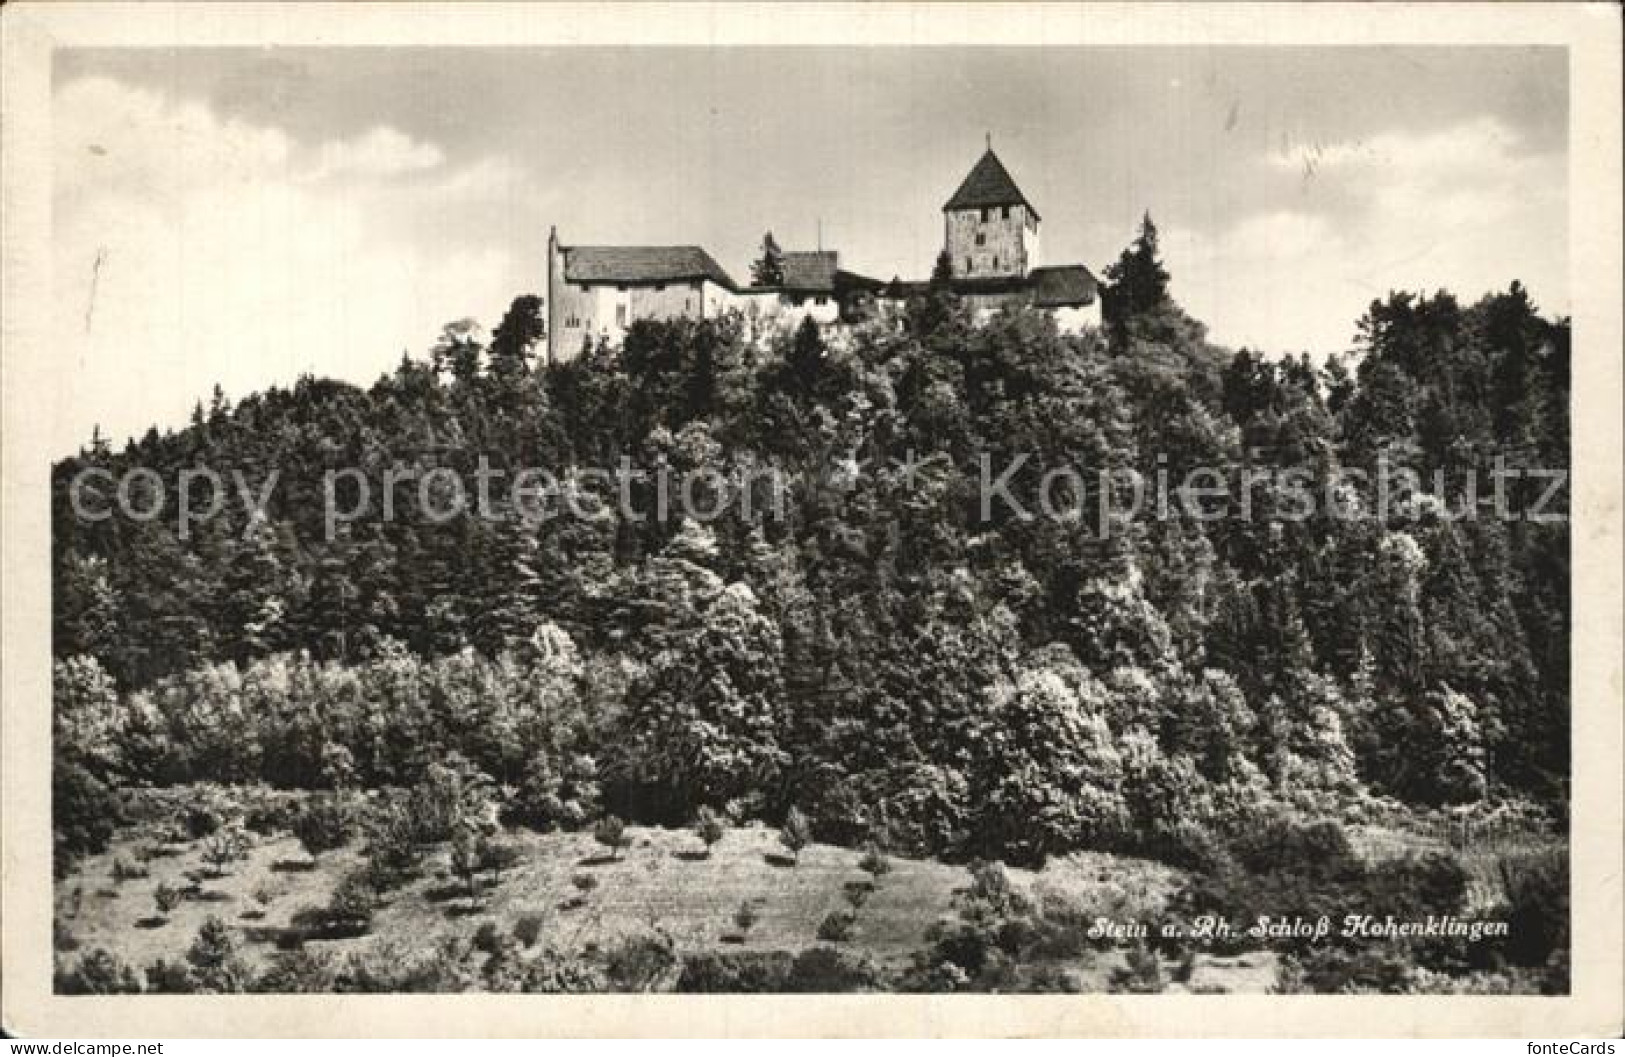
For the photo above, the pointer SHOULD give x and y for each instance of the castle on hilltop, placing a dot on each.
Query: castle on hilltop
(990, 246)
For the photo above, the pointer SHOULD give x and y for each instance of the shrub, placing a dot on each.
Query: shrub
(224, 847)
(351, 906)
(796, 833)
(468, 851)
(324, 825)
(98, 972)
(553, 973)
(837, 926)
(857, 895)
(827, 970)
(1331, 970)
(745, 918)
(874, 861)
(393, 853)
(611, 833)
(486, 937)
(297, 972)
(527, 929)
(735, 972)
(584, 882)
(213, 957)
(200, 821)
(127, 869)
(167, 898)
(709, 828)
(390, 970)
(62, 937)
(640, 963)
(84, 813)
(498, 856)
(170, 978)
(1141, 974)
(269, 817)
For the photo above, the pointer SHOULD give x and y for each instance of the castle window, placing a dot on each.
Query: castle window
(981, 238)
(621, 287)
(986, 214)
(659, 287)
(970, 266)
(1005, 214)
(995, 264)
(620, 314)
(820, 300)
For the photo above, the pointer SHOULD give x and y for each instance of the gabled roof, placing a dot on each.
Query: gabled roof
(1062, 286)
(810, 271)
(989, 184)
(634, 265)
(1065, 286)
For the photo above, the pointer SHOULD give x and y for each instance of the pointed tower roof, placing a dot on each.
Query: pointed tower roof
(989, 184)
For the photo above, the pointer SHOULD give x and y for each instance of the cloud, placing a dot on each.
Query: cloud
(381, 152)
(192, 249)
(1469, 208)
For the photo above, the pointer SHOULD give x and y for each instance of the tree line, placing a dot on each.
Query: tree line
(882, 657)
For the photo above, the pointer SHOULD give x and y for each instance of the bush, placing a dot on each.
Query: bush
(84, 813)
(269, 816)
(837, 926)
(611, 833)
(1334, 971)
(297, 972)
(170, 978)
(827, 970)
(224, 847)
(874, 861)
(553, 973)
(584, 882)
(745, 918)
(201, 821)
(62, 937)
(1141, 974)
(98, 972)
(167, 898)
(527, 929)
(735, 972)
(213, 957)
(350, 909)
(708, 827)
(444, 968)
(325, 824)
(393, 853)
(127, 869)
(796, 833)
(486, 937)
(641, 963)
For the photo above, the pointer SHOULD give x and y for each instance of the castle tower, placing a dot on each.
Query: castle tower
(990, 229)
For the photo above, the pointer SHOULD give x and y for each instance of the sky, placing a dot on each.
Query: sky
(246, 216)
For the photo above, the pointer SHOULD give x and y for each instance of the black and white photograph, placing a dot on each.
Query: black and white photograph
(570, 518)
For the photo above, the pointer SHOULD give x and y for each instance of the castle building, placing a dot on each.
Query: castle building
(990, 236)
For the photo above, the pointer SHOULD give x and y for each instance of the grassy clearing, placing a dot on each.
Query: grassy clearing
(664, 880)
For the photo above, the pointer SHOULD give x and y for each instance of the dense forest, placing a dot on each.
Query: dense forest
(887, 658)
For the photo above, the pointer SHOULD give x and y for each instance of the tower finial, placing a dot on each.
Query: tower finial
(989, 140)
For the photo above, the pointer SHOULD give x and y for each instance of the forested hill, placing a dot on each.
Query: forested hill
(854, 652)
